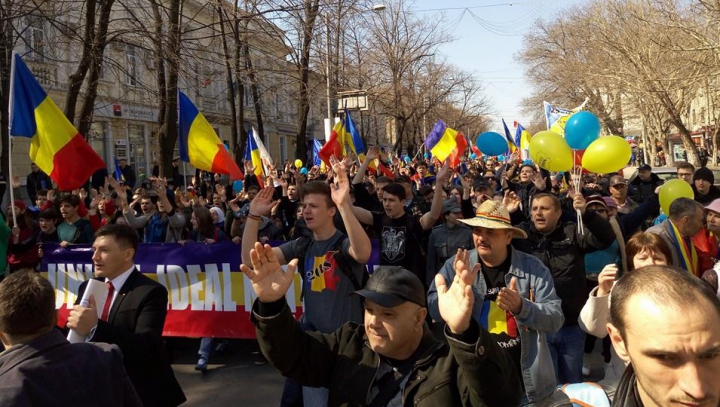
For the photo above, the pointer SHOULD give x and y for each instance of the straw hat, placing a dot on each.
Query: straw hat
(493, 215)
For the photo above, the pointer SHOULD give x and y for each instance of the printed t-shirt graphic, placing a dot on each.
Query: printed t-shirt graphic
(321, 272)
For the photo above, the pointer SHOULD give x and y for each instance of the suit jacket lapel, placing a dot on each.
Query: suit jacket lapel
(129, 284)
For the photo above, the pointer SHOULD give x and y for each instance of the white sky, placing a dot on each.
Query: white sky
(488, 34)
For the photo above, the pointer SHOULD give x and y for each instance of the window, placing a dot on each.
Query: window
(131, 65)
(35, 39)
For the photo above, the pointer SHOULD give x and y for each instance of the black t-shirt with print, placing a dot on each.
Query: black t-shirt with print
(400, 242)
(501, 324)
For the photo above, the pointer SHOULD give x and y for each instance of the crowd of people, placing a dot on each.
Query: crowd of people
(494, 282)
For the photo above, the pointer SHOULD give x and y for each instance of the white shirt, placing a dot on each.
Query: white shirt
(118, 282)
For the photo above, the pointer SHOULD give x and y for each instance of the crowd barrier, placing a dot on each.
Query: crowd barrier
(208, 296)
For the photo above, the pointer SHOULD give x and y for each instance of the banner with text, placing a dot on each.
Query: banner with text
(208, 296)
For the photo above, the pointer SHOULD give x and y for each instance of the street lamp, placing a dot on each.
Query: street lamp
(329, 121)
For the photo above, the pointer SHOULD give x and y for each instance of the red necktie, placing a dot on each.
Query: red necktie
(108, 301)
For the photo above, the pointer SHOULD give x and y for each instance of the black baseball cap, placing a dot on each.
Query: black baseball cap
(390, 286)
(645, 167)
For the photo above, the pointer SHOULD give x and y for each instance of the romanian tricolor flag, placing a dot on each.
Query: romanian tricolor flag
(200, 145)
(335, 147)
(442, 140)
(55, 146)
(252, 153)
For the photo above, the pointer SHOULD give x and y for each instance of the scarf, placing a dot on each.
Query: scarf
(688, 254)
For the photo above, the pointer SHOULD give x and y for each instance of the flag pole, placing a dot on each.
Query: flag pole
(10, 116)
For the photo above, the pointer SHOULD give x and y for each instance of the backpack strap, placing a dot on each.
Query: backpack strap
(344, 263)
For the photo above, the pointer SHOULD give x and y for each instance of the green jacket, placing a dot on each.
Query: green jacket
(453, 374)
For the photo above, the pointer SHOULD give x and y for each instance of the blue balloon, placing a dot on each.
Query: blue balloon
(426, 156)
(303, 171)
(237, 186)
(581, 129)
(407, 160)
(501, 158)
(473, 156)
(491, 143)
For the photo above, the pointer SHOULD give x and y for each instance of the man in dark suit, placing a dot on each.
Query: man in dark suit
(40, 367)
(133, 316)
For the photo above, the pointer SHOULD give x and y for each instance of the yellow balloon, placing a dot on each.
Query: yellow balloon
(298, 163)
(550, 151)
(607, 154)
(672, 190)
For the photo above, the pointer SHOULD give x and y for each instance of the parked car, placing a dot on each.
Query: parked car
(667, 173)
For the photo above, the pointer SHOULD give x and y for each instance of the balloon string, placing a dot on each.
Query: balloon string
(576, 174)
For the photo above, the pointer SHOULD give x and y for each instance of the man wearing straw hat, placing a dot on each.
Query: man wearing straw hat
(515, 299)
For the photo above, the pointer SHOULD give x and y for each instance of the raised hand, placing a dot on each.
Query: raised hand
(606, 279)
(509, 298)
(340, 190)
(511, 201)
(263, 202)
(444, 173)
(456, 303)
(372, 153)
(269, 281)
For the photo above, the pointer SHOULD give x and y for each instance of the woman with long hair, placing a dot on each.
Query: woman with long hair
(643, 249)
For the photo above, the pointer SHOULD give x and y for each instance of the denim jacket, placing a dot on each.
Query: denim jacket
(541, 314)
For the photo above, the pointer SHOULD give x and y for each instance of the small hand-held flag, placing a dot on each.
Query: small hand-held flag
(117, 174)
(55, 145)
(199, 144)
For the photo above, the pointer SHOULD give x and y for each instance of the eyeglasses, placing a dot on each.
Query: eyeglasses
(598, 210)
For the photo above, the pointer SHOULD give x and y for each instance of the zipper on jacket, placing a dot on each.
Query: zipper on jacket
(431, 391)
(367, 394)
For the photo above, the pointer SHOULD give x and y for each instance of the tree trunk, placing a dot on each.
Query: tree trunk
(308, 25)
(242, 141)
(96, 62)
(257, 102)
(77, 78)
(6, 41)
(169, 131)
(229, 82)
(160, 63)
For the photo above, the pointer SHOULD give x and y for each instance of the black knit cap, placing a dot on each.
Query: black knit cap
(704, 173)
(390, 286)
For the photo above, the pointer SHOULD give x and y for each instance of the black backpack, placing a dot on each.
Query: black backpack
(340, 258)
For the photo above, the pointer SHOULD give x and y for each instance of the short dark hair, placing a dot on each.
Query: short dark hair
(317, 188)
(425, 190)
(642, 241)
(27, 304)
(555, 200)
(395, 189)
(402, 179)
(686, 166)
(683, 207)
(41, 192)
(73, 200)
(665, 285)
(255, 187)
(125, 236)
(383, 180)
(49, 214)
(532, 167)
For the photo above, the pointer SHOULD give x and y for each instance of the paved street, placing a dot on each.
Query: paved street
(232, 379)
